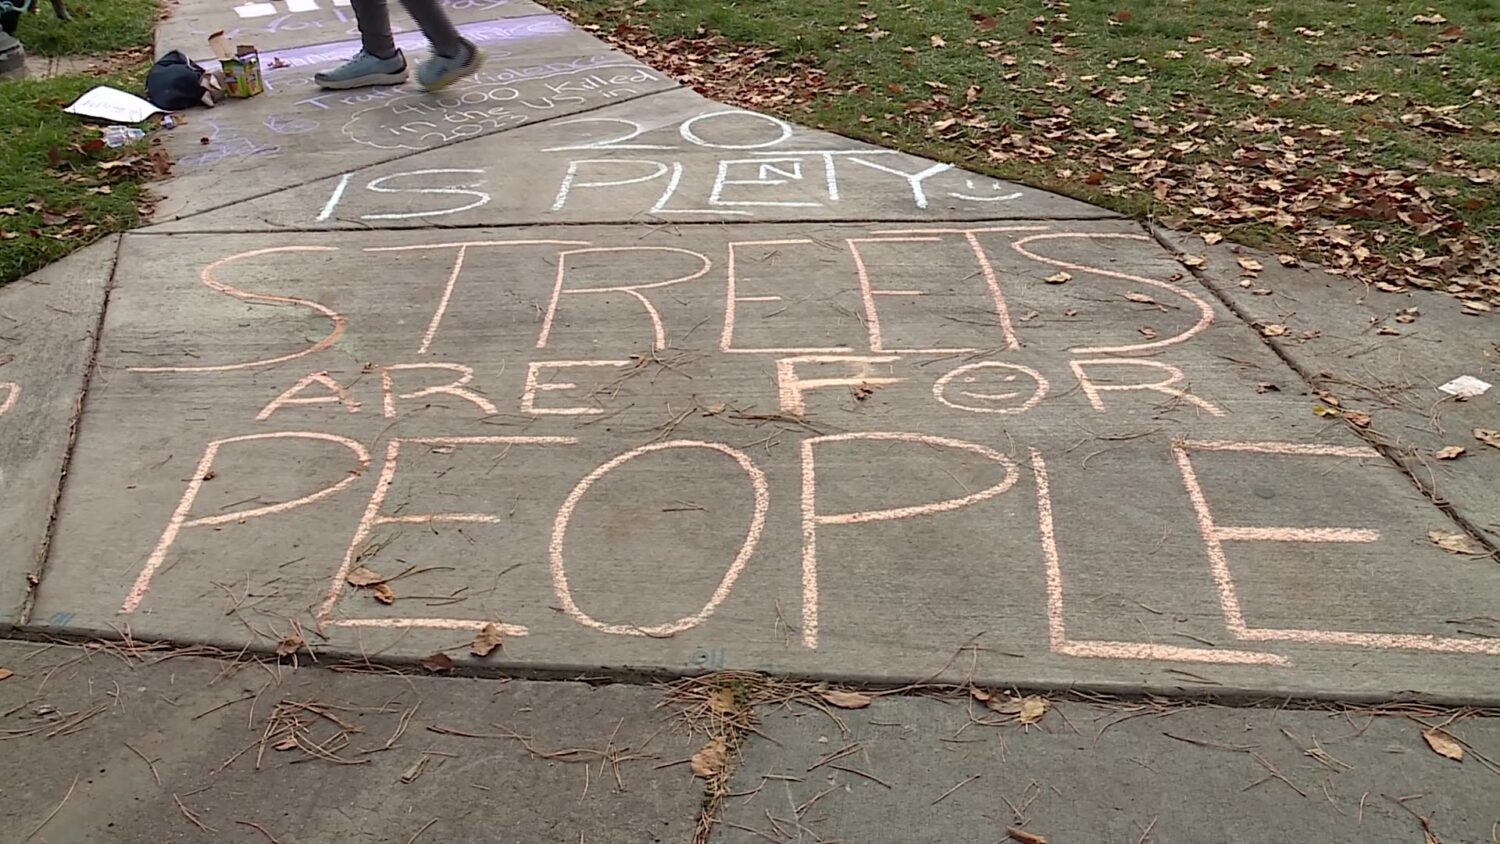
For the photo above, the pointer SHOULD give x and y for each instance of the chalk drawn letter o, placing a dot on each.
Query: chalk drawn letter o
(692, 138)
(752, 536)
(989, 402)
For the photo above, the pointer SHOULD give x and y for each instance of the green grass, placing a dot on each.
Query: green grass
(98, 26)
(55, 196)
(1059, 74)
(61, 188)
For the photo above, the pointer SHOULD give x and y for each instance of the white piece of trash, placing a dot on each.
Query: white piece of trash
(112, 104)
(1465, 387)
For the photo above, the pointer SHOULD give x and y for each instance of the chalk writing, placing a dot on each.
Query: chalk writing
(870, 377)
(493, 101)
(725, 163)
(226, 144)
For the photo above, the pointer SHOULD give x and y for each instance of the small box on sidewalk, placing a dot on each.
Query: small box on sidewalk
(241, 66)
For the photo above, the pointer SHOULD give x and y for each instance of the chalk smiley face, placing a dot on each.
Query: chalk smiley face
(991, 387)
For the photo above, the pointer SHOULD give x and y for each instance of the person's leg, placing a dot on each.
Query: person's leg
(434, 23)
(379, 63)
(453, 57)
(375, 27)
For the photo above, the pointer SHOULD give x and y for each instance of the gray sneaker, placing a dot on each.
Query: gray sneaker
(439, 72)
(363, 71)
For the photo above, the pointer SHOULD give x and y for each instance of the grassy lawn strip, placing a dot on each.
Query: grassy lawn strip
(61, 188)
(1363, 136)
(98, 26)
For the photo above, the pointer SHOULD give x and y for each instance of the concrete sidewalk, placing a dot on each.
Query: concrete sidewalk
(114, 745)
(653, 387)
(657, 385)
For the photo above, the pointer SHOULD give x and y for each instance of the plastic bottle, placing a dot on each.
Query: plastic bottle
(118, 136)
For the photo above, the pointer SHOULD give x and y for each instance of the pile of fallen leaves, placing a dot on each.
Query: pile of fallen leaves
(90, 168)
(715, 67)
(1303, 188)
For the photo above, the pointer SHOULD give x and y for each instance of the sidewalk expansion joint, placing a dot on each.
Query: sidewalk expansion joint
(39, 567)
(410, 153)
(342, 659)
(639, 223)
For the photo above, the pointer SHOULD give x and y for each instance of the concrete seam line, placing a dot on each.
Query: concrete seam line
(595, 674)
(39, 563)
(634, 223)
(404, 156)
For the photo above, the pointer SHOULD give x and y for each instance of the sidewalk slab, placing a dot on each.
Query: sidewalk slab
(143, 741)
(47, 325)
(272, 25)
(1386, 355)
(813, 449)
(1122, 773)
(673, 157)
(537, 68)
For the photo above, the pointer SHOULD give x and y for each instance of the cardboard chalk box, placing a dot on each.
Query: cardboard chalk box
(241, 67)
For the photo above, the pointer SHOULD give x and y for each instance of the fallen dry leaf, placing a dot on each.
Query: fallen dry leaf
(981, 695)
(1452, 452)
(710, 759)
(937, 41)
(486, 640)
(722, 701)
(846, 700)
(1025, 837)
(1250, 265)
(1430, 20)
(1059, 278)
(1029, 710)
(6, 673)
(437, 663)
(1288, 260)
(290, 645)
(1488, 436)
(1443, 744)
(1455, 543)
(1273, 330)
(1140, 297)
(1194, 261)
(385, 594)
(1033, 709)
(362, 576)
(1213, 237)
(1357, 418)
(1005, 705)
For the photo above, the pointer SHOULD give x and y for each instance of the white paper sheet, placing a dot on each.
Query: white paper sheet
(112, 104)
(1465, 387)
